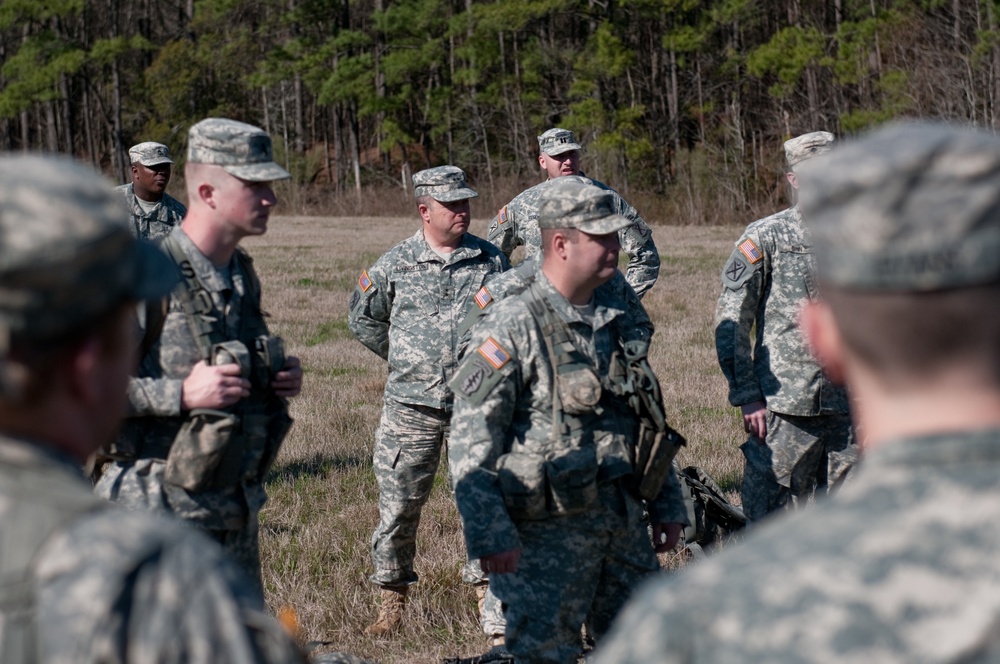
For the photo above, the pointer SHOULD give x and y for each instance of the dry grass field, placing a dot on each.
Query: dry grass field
(316, 528)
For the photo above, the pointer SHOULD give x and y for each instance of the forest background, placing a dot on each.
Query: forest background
(682, 104)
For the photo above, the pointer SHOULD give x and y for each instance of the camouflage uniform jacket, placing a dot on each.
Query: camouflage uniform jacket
(155, 414)
(518, 278)
(110, 585)
(504, 408)
(167, 215)
(902, 565)
(768, 276)
(407, 309)
(517, 224)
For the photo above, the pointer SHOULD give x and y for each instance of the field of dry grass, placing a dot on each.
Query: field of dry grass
(316, 528)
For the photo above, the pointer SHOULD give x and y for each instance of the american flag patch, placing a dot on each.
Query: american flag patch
(502, 215)
(751, 251)
(493, 353)
(364, 281)
(483, 297)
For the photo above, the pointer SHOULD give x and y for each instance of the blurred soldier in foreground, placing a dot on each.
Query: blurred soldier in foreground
(516, 223)
(798, 421)
(207, 413)
(545, 439)
(154, 212)
(903, 563)
(83, 581)
(407, 309)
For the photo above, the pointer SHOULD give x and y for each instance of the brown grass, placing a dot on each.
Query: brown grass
(317, 525)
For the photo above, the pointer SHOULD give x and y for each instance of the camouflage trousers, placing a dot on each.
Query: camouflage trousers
(802, 457)
(491, 616)
(573, 570)
(408, 444)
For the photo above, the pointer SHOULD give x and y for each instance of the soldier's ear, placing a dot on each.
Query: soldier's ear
(819, 328)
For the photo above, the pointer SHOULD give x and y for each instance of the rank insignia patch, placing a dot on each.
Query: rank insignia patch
(364, 281)
(483, 297)
(751, 251)
(493, 353)
(502, 215)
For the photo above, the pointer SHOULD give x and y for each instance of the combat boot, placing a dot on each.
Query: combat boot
(390, 612)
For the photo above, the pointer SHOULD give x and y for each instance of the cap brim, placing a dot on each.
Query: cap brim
(605, 226)
(156, 162)
(455, 195)
(267, 171)
(562, 148)
(155, 274)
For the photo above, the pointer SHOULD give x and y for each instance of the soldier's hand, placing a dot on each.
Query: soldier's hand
(666, 536)
(215, 386)
(500, 563)
(288, 381)
(755, 420)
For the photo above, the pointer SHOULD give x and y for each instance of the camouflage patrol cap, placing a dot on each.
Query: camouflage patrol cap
(241, 149)
(150, 153)
(909, 207)
(571, 202)
(442, 183)
(66, 253)
(807, 146)
(557, 141)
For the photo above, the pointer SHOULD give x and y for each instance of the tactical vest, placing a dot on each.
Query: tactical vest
(41, 508)
(217, 449)
(630, 385)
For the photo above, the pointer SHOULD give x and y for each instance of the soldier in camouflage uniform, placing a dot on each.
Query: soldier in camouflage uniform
(498, 287)
(208, 411)
(516, 223)
(154, 212)
(407, 308)
(543, 477)
(903, 563)
(83, 581)
(800, 430)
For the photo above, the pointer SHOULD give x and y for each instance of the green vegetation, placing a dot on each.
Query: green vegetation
(685, 100)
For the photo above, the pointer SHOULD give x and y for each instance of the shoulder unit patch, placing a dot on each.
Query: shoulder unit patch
(364, 281)
(494, 353)
(502, 215)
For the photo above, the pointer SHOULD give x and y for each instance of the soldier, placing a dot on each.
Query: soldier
(83, 581)
(407, 309)
(903, 563)
(500, 286)
(207, 412)
(154, 212)
(543, 477)
(800, 430)
(517, 222)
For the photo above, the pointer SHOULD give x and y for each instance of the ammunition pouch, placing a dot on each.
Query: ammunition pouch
(537, 486)
(198, 449)
(632, 379)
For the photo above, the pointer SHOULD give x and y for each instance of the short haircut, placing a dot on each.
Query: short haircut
(571, 234)
(904, 337)
(424, 200)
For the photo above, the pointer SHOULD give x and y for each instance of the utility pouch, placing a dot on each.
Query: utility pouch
(278, 425)
(572, 481)
(654, 459)
(579, 390)
(232, 352)
(268, 360)
(198, 448)
(522, 481)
